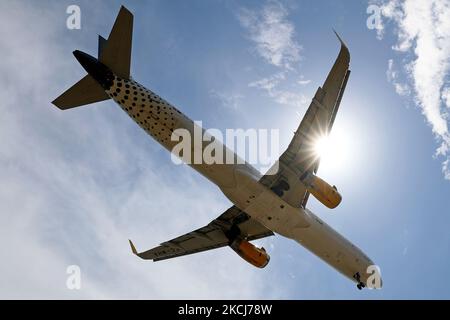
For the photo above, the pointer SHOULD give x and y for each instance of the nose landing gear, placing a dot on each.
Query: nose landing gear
(360, 284)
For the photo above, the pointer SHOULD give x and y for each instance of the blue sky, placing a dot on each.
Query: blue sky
(77, 184)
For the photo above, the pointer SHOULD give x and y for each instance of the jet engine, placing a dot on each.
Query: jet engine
(321, 190)
(253, 255)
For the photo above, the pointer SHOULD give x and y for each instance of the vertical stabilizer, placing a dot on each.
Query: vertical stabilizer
(116, 52)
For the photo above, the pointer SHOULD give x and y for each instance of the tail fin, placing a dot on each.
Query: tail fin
(101, 46)
(115, 53)
(85, 91)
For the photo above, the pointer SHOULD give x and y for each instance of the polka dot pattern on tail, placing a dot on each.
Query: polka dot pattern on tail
(152, 113)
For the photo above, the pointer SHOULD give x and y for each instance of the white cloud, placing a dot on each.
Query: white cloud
(272, 33)
(446, 169)
(268, 83)
(274, 37)
(402, 89)
(388, 9)
(303, 82)
(228, 100)
(423, 31)
(446, 96)
(284, 97)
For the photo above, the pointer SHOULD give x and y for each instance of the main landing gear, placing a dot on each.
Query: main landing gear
(360, 284)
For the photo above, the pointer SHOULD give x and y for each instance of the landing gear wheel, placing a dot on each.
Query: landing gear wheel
(360, 284)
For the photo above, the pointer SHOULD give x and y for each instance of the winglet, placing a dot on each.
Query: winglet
(340, 39)
(133, 248)
(344, 49)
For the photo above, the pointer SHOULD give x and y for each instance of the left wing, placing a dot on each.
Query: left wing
(300, 156)
(218, 233)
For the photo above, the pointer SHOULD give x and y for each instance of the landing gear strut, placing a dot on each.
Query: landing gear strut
(360, 284)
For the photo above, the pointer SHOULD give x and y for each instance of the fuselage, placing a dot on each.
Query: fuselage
(240, 182)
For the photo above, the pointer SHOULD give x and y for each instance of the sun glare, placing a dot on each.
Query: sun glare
(333, 150)
(322, 146)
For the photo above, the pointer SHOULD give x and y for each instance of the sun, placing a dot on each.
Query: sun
(322, 146)
(334, 150)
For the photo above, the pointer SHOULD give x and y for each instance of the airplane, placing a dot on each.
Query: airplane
(262, 205)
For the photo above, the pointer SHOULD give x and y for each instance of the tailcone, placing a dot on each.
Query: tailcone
(101, 73)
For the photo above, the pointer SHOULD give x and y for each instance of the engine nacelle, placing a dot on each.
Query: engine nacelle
(253, 255)
(321, 190)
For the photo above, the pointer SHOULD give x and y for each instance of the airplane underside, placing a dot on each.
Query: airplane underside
(262, 205)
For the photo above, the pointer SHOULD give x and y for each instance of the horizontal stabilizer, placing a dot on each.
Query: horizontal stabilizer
(85, 91)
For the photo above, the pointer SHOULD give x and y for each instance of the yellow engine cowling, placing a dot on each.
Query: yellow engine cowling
(321, 190)
(253, 255)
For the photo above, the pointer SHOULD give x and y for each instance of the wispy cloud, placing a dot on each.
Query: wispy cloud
(227, 100)
(268, 83)
(392, 75)
(303, 82)
(423, 30)
(274, 37)
(446, 96)
(272, 33)
(284, 97)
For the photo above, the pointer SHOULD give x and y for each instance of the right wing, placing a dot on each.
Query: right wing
(300, 157)
(219, 233)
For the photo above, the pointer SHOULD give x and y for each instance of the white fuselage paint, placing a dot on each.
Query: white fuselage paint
(240, 184)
